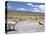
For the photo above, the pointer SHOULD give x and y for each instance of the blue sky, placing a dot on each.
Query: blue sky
(26, 6)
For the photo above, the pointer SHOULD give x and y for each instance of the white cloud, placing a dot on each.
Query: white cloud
(33, 10)
(21, 9)
(37, 10)
(35, 5)
(29, 4)
(42, 7)
(9, 7)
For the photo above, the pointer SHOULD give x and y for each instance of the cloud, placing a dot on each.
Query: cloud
(35, 6)
(21, 9)
(29, 4)
(42, 7)
(37, 10)
(8, 6)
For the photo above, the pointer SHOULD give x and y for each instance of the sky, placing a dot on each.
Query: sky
(26, 6)
(41, 1)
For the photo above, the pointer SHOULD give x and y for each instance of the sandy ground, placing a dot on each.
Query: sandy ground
(27, 27)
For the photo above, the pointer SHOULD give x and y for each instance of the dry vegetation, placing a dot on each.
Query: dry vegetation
(13, 16)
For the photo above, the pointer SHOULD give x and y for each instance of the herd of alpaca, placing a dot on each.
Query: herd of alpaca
(15, 22)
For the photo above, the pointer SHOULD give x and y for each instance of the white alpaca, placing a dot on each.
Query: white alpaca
(11, 23)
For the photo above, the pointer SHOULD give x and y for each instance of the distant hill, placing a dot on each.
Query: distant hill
(28, 13)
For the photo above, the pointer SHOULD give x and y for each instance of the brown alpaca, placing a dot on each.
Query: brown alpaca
(40, 23)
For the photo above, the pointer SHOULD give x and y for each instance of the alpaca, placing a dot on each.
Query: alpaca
(40, 23)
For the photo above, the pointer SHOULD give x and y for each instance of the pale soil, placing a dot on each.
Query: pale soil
(27, 27)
